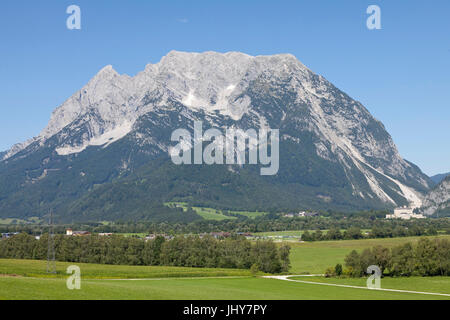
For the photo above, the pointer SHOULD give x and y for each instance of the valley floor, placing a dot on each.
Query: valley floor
(246, 288)
(316, 257)
(27, 279)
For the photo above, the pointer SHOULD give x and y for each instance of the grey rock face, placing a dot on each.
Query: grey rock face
(315, 119)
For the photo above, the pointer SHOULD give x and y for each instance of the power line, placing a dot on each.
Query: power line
(51, 264)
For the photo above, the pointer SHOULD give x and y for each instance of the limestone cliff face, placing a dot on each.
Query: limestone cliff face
(437, 199)
(329, 136)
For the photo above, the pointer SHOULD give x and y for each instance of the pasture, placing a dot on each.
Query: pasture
(27, 279)
(214, 214)
(248, 288)
(315, 257)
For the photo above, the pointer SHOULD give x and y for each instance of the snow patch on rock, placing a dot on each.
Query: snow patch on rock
(103, 140)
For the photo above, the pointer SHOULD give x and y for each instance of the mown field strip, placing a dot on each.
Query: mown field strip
(169, 278)
(286, 278)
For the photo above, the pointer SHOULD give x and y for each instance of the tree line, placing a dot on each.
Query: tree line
(380, 227)
(189, 251)
(377, 231)
(426, 258)
(328, 227)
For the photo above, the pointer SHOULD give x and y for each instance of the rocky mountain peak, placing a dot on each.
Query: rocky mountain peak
(438, 199)
(241, 90)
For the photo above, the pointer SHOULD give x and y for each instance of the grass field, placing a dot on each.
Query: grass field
(27, 279)
(249, 214)
(205, 213)
(213, 214)
(9, 221)
(425, 284)
(294, 233)
(194, 289)
(37, 269)
(130, 234)
(315, 257)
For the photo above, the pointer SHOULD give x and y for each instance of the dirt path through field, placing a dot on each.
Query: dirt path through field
(286, 278)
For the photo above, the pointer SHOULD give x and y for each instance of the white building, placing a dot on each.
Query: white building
(405, 213)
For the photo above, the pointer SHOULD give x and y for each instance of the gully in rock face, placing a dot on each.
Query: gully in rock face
(214, 152)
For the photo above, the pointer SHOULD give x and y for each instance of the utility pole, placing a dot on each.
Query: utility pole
(51, 265)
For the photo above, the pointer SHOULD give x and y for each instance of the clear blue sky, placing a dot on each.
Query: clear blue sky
(400, 73)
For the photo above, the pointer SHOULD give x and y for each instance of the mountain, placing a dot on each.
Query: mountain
(438, 199)
(439, 177)
(104, 153)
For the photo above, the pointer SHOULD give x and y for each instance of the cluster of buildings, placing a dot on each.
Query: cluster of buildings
(404, 213)
(301, 214)
(9, 235)
(70, 232)
(222, 235)
(73, 233)
(245, 234)
(154, 236)
(216, 235)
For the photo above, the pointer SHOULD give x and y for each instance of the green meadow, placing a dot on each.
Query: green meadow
(213, 214)
(37, 269)
(27, 279)
(9, 221)
(315, 257)
(198, 289)
(422, 284)
(293, 233)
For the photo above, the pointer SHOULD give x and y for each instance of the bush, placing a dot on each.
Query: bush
(329, 272)
(338, 269)
(254, 269)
